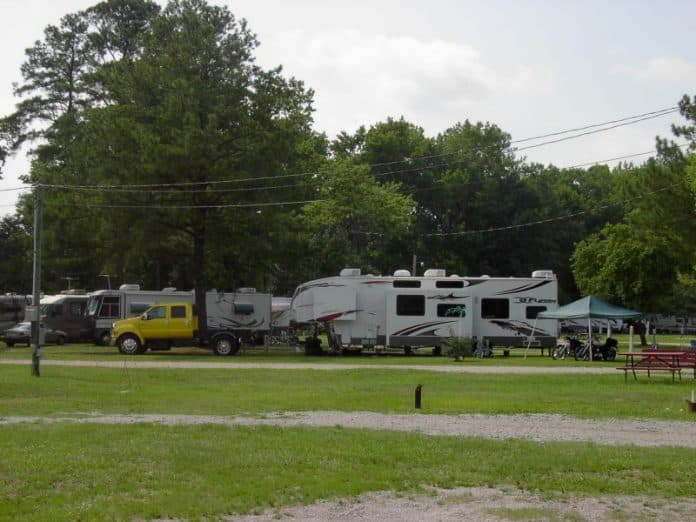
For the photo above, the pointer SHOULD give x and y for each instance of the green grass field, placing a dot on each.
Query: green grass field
(68, 471)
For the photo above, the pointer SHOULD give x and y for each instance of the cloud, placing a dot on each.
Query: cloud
(360, 79)
(666, 69)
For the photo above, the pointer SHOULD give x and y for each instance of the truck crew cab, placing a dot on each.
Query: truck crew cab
(231, 317)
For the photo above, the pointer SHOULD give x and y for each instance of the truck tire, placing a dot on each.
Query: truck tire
(104, 338)
(60, 340)
(225, 345)
(129, 344)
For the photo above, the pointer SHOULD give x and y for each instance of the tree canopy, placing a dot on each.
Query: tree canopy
(169, 157)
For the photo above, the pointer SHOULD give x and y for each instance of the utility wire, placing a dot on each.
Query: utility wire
(622, 122)
(529, 223)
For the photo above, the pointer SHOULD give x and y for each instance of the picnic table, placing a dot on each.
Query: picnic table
(654, 361)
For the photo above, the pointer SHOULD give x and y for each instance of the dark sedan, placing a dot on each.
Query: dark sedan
(21, 333)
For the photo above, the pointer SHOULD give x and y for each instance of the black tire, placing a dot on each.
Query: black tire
(129, 344)
(60, 340)
(225, 345)
(313, 346)
(104, 338)
(9, 344)
(408, 350)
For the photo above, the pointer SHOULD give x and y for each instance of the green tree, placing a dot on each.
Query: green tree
(195, 116)
(16, 259)
(352, 221)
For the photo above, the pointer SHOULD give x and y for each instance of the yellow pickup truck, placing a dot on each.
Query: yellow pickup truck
(230, 318)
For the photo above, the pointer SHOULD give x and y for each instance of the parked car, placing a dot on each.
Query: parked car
(21, 333)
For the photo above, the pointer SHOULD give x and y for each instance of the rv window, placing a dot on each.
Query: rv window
(138, 308)
(451, 310)
(410, 305)
(178, 312)
(77, 309)
(449, 284)
(110, 307)
(532, 311)
(495, 308)
(400, 283)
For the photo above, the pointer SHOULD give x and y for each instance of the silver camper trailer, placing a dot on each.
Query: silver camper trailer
(360, 311)
(106, 306)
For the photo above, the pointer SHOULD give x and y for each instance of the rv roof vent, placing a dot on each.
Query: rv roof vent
(246, 290)
(545, 274)
(402, 273)
(454, 275)
(169, 289)
(129, 286)
(348, 272)
(485, 276)
(434, 272)
(73, 291)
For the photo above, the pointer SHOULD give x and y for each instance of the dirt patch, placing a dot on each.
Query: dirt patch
(534, 427)
(481, 504)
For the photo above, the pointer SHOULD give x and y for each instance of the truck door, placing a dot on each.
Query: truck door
(180, 324)
(155, 324)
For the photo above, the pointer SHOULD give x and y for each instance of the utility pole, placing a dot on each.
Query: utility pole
(36, 286)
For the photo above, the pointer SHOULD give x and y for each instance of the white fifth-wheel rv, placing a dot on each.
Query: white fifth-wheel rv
(406, 311)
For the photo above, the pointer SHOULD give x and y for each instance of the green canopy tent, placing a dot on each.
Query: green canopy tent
(589, 307)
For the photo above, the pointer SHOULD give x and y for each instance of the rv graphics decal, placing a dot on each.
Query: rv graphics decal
(335, 315)
(448, 296)
(524, 288)
(422, 329)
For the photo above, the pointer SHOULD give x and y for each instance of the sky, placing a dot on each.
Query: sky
(531, 67)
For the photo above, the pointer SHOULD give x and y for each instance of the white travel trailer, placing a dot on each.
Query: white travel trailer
(406, 311)
(106, 306)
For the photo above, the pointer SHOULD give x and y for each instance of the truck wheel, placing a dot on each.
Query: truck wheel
(129, 344)
(104, 338)
(225, 345)
(60, 340)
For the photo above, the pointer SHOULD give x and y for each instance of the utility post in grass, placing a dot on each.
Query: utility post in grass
(36, 339)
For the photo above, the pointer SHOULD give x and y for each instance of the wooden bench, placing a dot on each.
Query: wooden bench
(652, 361)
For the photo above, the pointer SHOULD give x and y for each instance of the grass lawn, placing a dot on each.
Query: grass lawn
(86, 472)
(71, 471)
(250, 391)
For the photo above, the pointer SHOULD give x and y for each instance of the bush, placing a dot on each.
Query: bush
(459, 347)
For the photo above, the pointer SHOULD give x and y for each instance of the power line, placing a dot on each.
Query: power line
(621, 123)
(656, 114)
(232, 205)
(261, 204)
(527, 224)
(574, 136)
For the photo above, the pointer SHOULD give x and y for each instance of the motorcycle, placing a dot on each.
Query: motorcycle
(600, 352)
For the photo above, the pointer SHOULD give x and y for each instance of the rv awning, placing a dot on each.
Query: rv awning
(590, 307)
